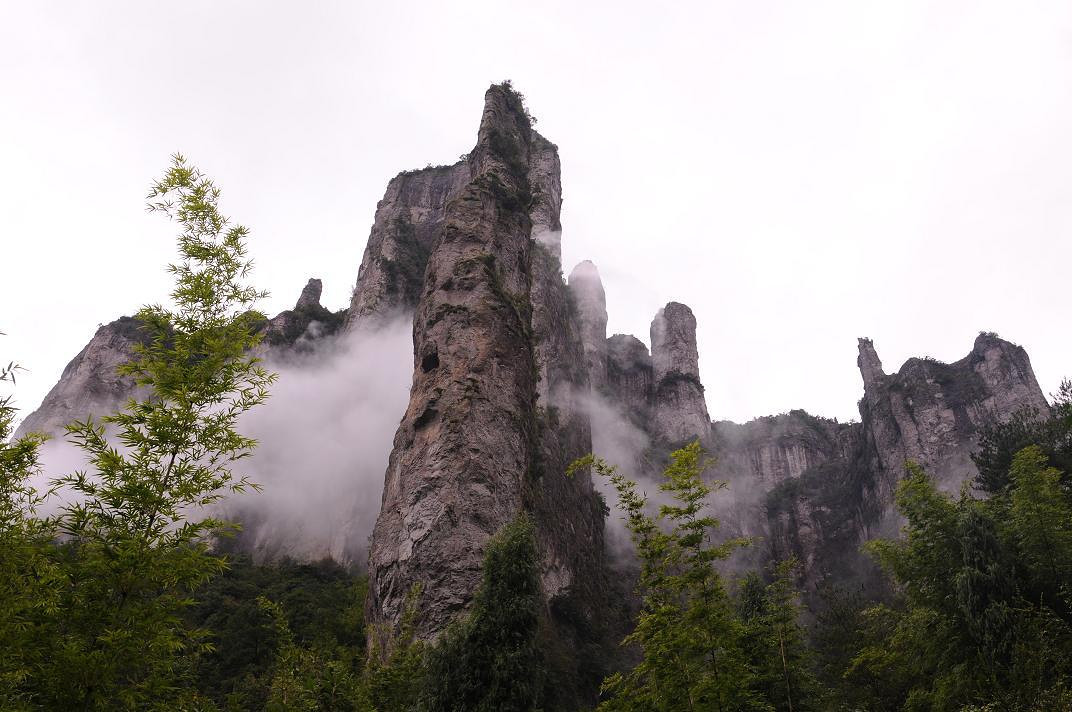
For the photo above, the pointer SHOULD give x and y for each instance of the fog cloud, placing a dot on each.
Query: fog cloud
(324, 437)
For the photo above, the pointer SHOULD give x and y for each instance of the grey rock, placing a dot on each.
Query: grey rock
(486, 433)
(591, 302)
(679, 411)
(409, 219)
(310, 296)
(90, 384)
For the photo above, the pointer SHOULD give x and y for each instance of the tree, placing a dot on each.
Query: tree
(29, 580)
(982, 616)
(687, 630)
(774, 640)
(492, 661)
(136, 545)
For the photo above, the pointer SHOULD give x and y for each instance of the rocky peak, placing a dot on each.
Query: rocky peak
(868, 362)
(673, 342)
(678, 406)
(591, 303)
(90, 384)
(310, 295)
(485, 435)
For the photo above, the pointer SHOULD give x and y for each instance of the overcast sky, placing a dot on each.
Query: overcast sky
(800, 174)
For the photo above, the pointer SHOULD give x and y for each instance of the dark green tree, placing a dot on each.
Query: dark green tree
(29, 579)
(492, 660)
(775, 643)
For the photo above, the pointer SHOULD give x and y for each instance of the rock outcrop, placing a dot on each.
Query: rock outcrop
(408, 222)
(591, 301)
(91, 384)
(630, 376)
(929, 413)
(296, 331)
(679, 411)
(490, 425)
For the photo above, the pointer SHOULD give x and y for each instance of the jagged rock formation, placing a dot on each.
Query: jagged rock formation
(928, 412)
(630, 376)
(296, 330)
(491, 423)
(90, 385)
(513, 370)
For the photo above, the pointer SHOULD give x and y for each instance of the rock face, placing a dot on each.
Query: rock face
(490, 424)
(408, 222)
(90, 384)
(929, 412)
(679, 411)
(295, 331)
(630, 375)
(591, 302)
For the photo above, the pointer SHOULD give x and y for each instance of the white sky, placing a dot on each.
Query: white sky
(800, 174)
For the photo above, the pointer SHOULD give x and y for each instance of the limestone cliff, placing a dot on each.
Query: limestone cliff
(679, 411)
(90, 385)
(928, 412)
(491, 422)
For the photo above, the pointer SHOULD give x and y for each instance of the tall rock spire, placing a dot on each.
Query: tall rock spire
(679, 408)
(869, 363)
(591, 302)
(310, 295)
(485, 436)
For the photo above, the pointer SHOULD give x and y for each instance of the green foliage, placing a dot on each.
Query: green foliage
(984, 614)
(113, 636)
(29, 579)
(492, 661)
(322, 607)
(999, 443)
(687, 632)
(775, 642)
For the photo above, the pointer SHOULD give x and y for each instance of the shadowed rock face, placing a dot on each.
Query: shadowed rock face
(490, 424)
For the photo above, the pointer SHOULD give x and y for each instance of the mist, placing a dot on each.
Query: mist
(324, 437)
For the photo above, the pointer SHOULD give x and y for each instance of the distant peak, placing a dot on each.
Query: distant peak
(310, 295)
(868, 361)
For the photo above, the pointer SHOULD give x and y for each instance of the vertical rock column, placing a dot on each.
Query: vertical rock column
(678, 407)
(474, 448)
(591, 303)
